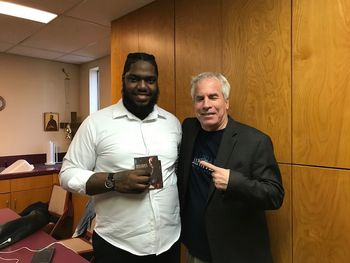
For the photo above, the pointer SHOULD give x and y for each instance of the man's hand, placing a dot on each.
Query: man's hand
(220, 175)
(132, 181)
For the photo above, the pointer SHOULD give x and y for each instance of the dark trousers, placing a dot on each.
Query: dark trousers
(104, 252)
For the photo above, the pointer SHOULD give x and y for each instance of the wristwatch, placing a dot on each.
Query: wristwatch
(109, 183)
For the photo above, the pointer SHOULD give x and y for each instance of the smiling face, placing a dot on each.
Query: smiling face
(210, 105)
(141, 83)
(140, 88)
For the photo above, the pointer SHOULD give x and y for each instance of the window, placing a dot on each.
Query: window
(94, 90)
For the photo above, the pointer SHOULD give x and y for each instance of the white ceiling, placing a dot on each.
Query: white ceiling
(80, 33)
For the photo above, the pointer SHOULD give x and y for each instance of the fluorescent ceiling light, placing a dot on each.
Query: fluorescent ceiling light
(26, 12)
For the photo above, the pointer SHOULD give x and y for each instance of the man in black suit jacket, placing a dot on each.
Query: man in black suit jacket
(227, 177)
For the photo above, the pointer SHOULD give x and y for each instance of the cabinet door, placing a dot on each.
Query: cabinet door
(22, 199)
(29, 190)
(4, 186)
(5, 200)
(5, 193)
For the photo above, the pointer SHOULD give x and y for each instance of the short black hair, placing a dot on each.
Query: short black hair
(134, 57)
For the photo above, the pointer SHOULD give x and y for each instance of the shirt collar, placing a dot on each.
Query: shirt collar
(119, 111)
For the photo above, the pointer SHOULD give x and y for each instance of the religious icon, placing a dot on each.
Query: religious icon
(51, 121)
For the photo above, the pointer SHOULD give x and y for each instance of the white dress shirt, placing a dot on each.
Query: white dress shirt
(108, 141)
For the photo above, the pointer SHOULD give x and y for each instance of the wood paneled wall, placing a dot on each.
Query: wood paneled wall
(321, 131)
(120, 47)
(321, 77)
(198, 45)
(280, 221)
(256, 60)
(287, 62)
(321, 208)
(321, 215)
(149, 29)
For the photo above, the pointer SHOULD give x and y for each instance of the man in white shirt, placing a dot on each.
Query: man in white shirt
(134, 223)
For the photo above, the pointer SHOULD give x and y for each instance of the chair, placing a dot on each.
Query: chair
(58, 209)
(81, 245)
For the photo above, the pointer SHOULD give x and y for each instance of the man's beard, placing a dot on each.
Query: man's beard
(140, 111)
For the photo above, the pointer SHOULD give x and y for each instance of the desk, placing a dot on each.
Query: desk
(35, 241)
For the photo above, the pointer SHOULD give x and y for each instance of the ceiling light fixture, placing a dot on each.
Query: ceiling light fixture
(25, 12)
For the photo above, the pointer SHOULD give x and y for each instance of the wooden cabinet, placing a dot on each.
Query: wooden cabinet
(18, 193)
(21, 199)
(4, 200)
(4, 193)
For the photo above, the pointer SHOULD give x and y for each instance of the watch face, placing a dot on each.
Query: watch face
(109, 183)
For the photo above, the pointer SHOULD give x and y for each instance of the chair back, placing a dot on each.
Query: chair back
(58, 204)
(58, 209)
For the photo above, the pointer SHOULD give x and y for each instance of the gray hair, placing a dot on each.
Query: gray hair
(225, 86)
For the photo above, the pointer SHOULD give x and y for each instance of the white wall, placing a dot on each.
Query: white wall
(31, 87)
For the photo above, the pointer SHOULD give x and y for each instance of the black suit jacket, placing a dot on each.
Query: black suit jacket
(235, 219)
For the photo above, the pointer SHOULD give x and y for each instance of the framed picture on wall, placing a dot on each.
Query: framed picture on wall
(51, 121)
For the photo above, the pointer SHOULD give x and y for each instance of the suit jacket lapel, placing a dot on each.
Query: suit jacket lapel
(226, 147)
(227, 144)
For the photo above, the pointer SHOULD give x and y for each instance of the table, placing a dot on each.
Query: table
(36, 241)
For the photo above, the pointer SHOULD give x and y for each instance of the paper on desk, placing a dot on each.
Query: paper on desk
(18, 166)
